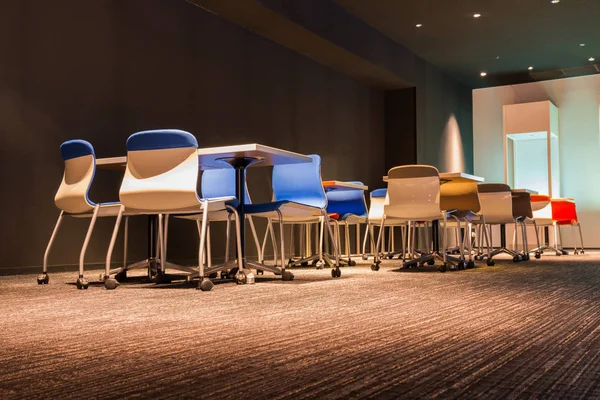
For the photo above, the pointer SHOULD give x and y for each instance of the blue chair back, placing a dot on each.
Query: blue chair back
(221, 183)
(300, 183)
(346, 202)
(379, 193)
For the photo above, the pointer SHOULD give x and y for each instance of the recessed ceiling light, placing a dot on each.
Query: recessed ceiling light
(419, 25)
(497, 57)
(530, 68)
(555, 1)
(591, 59)
(581, 44)
(476, 15)
(483, 74)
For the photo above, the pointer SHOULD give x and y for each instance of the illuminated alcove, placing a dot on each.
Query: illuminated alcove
(531, 156)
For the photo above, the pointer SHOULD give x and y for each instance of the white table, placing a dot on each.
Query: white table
(239, 157)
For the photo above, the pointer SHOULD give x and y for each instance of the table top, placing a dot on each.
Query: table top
(524, 191)
(454, 177)
(209, 157)
(340, 185)
(268, 155)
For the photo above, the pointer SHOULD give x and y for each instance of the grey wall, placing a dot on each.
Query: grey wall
(101, 70)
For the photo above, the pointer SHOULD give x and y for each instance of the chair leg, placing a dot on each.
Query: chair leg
(333, 242)
(163, 257)
(43, 278)
(273, 241)
(376, 253)
(238, 238)
(227, 239)
(347, 234)
(161, 245)
(125, 241)
(204, 284)
(110, 283)
(81, 282)
(580, 238)
(208, 246)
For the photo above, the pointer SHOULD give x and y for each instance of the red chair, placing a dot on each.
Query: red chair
(564, 212)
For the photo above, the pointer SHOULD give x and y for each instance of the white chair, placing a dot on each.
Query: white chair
(497, 209)
(161, 178)
(72, 200)
(374, 217)
(414, 195)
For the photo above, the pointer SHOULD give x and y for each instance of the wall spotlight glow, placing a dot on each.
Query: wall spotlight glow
(591, 59)
(419, 25)
(483, 74)
(452, 155)
(555, 1)
(476, 15)
(530, 68)
(581, 44)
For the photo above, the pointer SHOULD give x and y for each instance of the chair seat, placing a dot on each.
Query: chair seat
(105, 210)
(291, 211)
(354, 219)
(213, 204)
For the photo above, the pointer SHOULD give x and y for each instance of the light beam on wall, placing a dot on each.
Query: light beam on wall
(453, 156)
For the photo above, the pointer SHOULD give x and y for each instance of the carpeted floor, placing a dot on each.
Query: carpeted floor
(528, 330)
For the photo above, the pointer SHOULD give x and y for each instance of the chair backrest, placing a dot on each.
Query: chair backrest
(351, 201)
(496, 203)
(564, 211)
(461, 196)
(413, 193)
(521, 205)
(300, 183)
(378, 197)
(80, 167)
(540, 204)
(162, 171)
(220, 183)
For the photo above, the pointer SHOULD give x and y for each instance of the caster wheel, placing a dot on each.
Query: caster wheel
(364, 257)
(559, 253)
(213, 275)
(111, 284)
(224, 275)
(461, 266)
(491, 263)
(290, 261)
(479, 258)
(526, 257)
(314, 263)
(390, 256)
(336, 273)
(443, 268)
(421, 264)
(431, 262)
(471, 265)
(121, 276)
(564, 252)
(576, 252)
(206, 285)
(82, 284)
(161, 278)
(352, 263)
(287, 276)
(260, 272)
(538, 255)
(375, 267)
(43, 279)
(516, 258)
(240, 278)
(304, 264)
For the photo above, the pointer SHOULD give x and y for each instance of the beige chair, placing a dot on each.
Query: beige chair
(523, 214)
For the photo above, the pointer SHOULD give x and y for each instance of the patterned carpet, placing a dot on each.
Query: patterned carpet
(527, 330)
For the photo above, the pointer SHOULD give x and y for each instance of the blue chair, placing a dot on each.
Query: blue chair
(72, 199)
(161, 178)
(351, 207)
(298, 197)
(217, 183)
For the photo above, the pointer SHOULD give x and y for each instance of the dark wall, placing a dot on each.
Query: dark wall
(438, 97)
(400, 127)
(102, 70)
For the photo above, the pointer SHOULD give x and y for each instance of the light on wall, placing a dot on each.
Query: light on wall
(453, 156)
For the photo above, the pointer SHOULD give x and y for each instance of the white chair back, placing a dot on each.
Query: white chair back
(80, 166)
(413, 193)
(496, 203)
(162, 171)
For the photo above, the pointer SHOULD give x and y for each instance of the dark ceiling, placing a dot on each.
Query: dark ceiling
(510, 35)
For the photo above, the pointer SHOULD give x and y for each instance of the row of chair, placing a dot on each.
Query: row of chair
(161, 179)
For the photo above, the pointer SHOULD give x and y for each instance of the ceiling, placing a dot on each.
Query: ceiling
(510, 36)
